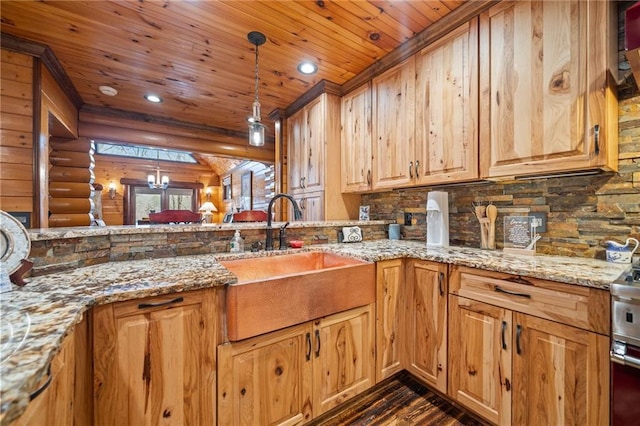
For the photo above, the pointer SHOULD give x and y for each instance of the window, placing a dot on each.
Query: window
(148, 200)
(144, 152)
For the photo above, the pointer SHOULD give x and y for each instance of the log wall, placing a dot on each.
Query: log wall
(16, 132)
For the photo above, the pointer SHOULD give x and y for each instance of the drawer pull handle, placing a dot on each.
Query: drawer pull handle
(504, 329)
(596, 139)
(156, 305)
(318, 343)
(44, 386)
(440, 282)
(417, 168)
(518, 333)
(308, 354)
(411, 169)
(511, 293)
(369, 177)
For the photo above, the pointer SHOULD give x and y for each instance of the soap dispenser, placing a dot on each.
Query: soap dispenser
(237, 243)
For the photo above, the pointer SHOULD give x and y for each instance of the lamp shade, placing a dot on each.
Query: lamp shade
(208, 206)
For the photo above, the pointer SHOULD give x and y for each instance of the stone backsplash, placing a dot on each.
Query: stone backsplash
(54, 253)
(582, 212)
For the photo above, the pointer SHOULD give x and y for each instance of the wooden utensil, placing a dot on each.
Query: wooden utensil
(492, 215)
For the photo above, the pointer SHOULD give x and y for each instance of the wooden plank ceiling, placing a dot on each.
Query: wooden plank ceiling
(196, 56)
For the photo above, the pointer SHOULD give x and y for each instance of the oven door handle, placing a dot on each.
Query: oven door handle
(627, 360)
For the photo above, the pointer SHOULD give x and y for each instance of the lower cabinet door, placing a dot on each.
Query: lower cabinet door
(54, 404)
(560, 374)
(426, 322)
(344, 357)
(266, 380)
(155, 360)
(480, 358)
(389, 317)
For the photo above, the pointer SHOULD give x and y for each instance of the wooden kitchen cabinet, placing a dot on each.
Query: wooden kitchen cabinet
(55, 403)
(313, 140)
(155, 360)
(390, 307)
(560, 374)
(426, 322)
(528, 351)
(65, 399)
(549, 101)
(426, 115)
(266, 380)
(311, 205)
(446, 110)
(393, 128)
(292, 375)
(356, 140)
(479, 363)
(307, 146)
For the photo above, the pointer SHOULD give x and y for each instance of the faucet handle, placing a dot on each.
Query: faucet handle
(283, 227)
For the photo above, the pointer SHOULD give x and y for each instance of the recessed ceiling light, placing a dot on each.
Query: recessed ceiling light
(153, 98)
(107, 90)
(307, 67)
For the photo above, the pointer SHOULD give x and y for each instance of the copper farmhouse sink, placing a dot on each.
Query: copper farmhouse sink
(279, 291)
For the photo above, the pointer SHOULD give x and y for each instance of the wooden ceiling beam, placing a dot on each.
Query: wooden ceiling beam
(239, 149)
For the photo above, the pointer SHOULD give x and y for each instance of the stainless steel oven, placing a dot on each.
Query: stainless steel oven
(625, 348)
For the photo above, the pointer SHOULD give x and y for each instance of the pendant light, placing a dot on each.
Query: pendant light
(256, 128)
(155, 182)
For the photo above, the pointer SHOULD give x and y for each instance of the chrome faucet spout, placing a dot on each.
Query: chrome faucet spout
(297, 214)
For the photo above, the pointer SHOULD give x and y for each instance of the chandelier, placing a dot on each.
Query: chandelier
(256, 128)
(155, 182)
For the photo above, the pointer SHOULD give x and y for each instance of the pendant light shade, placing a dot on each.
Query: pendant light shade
(256, 128)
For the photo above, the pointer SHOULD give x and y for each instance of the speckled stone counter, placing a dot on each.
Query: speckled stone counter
(48, 307)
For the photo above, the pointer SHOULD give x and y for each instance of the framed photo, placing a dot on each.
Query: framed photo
(227, 195)
(364, 213)
(246, 193)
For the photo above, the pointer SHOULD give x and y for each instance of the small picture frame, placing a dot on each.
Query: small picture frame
(246, 190)
(364, 213)
(227, 195)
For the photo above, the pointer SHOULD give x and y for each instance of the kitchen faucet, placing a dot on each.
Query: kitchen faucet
(297, 214)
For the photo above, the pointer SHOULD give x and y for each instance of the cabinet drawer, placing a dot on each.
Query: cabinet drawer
(582, 307)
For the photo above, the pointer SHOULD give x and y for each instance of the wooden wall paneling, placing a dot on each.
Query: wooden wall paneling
(58, 104)
(16, 132)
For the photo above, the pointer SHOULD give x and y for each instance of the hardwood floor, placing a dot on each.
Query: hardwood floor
(398, 401)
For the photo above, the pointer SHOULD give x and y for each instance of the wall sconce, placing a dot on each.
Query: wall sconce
(112, 191)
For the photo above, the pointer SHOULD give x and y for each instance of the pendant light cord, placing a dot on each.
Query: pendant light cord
(256, 103)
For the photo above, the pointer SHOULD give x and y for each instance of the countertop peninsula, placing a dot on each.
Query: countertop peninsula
(49, 306)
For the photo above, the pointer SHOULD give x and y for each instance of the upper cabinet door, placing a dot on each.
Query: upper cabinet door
(356, 140)
(545, 103)
(314, 135)
(295, 129)
(446, 146)
(393, 146)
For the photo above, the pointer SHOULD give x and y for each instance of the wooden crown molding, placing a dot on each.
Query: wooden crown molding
(440, 28)
(323, 86)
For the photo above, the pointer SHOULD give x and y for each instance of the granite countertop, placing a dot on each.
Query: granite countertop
(44, 311)
(94, 231)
